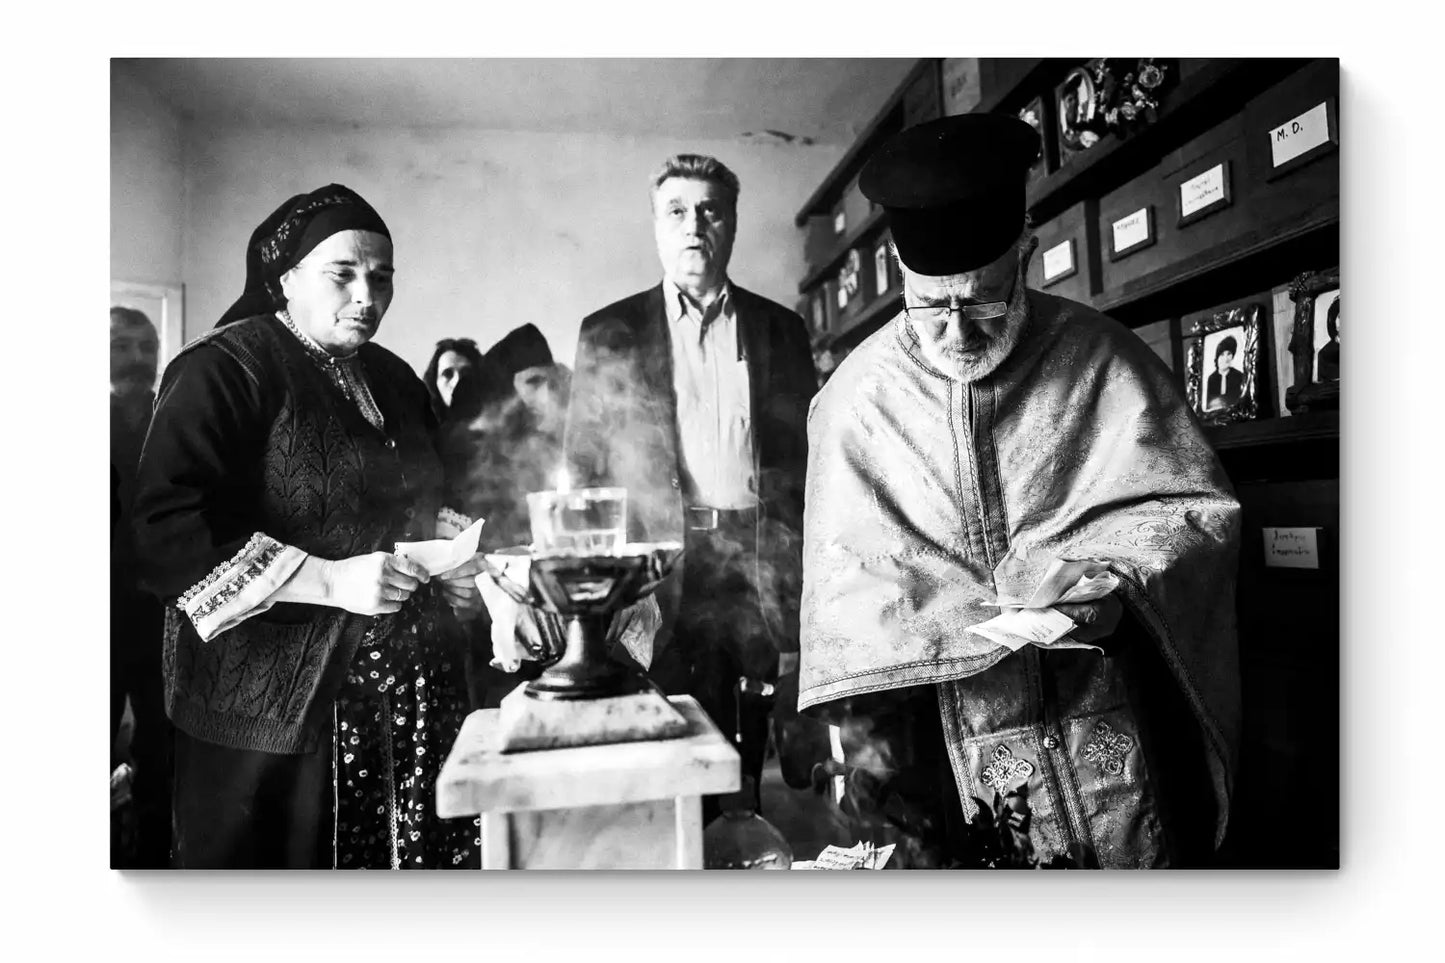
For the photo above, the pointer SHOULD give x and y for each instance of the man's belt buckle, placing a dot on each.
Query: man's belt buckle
(702, 519)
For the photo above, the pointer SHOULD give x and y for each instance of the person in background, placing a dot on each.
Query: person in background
(452, 359)
(984, 433)
(1329, 356)
(313, 672)
(1225, 385)
(503, 441)
(135, 616)
(542, 386)
(693, 395)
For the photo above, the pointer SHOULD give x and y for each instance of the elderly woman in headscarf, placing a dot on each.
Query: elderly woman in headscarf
(312, 672)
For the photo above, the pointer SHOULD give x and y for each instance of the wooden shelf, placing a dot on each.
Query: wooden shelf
(1261, 259)
(1217, 90)
(1308, 426)
(825, 269)
(866, 321)
(821, 200)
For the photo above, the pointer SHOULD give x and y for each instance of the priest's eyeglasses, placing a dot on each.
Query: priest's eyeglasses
(941, 313)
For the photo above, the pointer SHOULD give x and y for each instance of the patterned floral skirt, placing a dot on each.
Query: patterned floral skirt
(396, 719)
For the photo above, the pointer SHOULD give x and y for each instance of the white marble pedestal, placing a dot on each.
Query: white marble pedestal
(633, 805)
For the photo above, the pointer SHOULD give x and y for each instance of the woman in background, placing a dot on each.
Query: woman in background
(453, 359)
(314, 676)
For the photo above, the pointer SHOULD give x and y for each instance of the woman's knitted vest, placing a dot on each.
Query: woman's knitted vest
(332, 485)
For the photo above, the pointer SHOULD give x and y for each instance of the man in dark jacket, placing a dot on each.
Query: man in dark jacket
(693, 395)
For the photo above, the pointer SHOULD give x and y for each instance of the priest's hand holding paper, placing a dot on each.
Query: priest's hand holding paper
(1095, 621)
(1071, 606)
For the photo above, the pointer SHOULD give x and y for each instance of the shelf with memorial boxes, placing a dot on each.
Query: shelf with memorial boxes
(1230, 185)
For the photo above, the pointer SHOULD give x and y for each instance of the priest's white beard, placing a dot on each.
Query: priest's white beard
(971, 366)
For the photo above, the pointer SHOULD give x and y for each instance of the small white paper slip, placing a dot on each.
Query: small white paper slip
(1020, 627)
(440, 555)
(1199, 192)
(860, 856)
(1299, 135)
(1131, 229)
(1291, 548)
(1058, 260)
(1090, 588)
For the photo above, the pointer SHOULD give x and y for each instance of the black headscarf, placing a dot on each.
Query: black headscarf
(291, 232)
(522, 348)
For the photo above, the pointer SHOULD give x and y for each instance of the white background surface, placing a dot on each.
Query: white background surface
(63, 903)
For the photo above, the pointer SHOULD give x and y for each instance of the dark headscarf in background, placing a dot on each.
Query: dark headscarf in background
(522, 348)
(291, 232)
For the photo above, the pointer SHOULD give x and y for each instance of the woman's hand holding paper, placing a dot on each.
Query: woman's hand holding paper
(375, 584)
(459, 586)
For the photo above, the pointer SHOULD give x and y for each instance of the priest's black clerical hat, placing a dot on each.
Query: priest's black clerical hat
(953, 189)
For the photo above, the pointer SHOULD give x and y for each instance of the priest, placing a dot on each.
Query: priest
(979, 436)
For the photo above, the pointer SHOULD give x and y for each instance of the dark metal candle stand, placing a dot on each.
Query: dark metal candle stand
(586, 592)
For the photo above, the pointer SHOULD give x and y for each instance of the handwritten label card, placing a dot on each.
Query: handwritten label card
(1203, 191)
(962, 85)
(1291, 548)
(1131, 230)
(1300, 135)
(1059, 260)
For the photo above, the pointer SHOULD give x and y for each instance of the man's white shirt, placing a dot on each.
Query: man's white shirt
(714, 416)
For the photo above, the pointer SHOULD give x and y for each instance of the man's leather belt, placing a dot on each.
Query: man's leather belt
(700, 519)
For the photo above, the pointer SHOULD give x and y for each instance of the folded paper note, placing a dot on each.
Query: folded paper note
(441, 555)
(1019, 627)
(861, 856)
(1036, 622)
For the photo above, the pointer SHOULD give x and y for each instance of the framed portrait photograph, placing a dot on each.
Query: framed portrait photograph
(882, 276)
(1033, 115)
(1315, 342)
(1223, 365)
(1076, 112)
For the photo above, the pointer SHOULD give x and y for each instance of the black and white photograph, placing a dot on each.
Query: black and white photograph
(1224, 385)
(1327, 337)
(1315, 342)
(513, 468)
(1223, 365)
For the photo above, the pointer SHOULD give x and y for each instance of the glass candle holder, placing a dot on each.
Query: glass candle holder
(587, 521)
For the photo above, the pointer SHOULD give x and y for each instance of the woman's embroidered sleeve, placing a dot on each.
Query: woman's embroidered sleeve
(197, 532)
(241, 586)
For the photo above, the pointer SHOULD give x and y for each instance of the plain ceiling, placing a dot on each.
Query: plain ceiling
(804, 100)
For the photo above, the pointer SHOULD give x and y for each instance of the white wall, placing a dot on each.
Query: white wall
(147, 184)
(492, 230)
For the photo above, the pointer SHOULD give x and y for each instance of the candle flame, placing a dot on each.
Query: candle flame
(564, 483)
